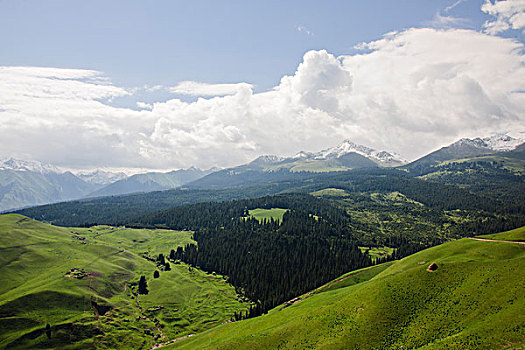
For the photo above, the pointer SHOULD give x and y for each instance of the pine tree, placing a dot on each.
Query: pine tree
(143, 285)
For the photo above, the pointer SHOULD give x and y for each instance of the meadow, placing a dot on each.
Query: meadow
(474, 300)
(267, 214)
(77, 288)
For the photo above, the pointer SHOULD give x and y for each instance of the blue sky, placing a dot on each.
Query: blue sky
(171, 84)
(163, 42)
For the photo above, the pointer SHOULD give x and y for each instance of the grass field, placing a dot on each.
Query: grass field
(517, 235)
(513, 164)
(474, 300)
(377, 252)
(100, 308)
(330, 192)
(262, 214)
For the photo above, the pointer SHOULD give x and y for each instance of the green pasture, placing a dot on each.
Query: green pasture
(517, 235)
(267, 214)
(377, 252)
(101, 309)
(474, 300)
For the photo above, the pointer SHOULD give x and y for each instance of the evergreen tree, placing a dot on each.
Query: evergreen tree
(143, 285)
(48, 331)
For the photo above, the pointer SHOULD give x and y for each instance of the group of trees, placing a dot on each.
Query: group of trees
(270, 262)
(318, 238)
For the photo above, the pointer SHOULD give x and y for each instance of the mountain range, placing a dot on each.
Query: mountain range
(467, 148)
(28, 183)
(152, 181)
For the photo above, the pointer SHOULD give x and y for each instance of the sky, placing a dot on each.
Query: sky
(173, 84)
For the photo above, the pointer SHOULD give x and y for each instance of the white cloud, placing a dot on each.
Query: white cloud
(303, 29)
(194, 88)
(454, 5)
(509, 14)
(441, 22)
(410, 92)
(144, 105)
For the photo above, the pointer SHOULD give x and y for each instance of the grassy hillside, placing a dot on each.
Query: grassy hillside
(517, 235)
(83, 283)
(474, 300)
(262, 214)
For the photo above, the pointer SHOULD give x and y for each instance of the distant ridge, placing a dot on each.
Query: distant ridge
(26, 183)
(153, 181)
(101, 177)
(382, 158)
(466, 147)
(28, 165)
(267, 168)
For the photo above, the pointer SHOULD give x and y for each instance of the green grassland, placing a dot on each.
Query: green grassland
(353, 277)
(100, 307)
(517, 235)
(330, 192)
(267, 214)
(377, 252)
(474, 300)
(513, 164)
(376, 217)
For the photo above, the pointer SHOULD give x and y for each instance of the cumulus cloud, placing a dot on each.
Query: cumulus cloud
(409, 92)
(194, 88)
(144, 105)
(509, 14)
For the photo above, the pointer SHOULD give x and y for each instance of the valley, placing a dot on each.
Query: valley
(238, 175)
(474, 300)
(83, 283)
(269, 256)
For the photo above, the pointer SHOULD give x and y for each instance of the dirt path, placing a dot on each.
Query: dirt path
(497, 240)
(171, 341)
(144, 317)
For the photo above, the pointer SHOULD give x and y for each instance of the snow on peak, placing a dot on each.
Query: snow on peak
(266, 159)
(101, 177)
(303, 155)
(382, 157)
(498, 142)
(502, 142)
(28, 165)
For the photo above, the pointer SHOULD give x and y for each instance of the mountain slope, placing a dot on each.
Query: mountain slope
(82, 282)
(27, 188)
(149, 182)
(26, 183)
(465, 148)
(101, 177)
(474, 300)
(269, 168)
(382, 158)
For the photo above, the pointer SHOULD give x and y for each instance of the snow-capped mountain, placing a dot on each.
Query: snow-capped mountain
(465, 148)
(28, 165)
(26, 183)
(101, 177)
(497, 143)
(382, 158)
(267, 159)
